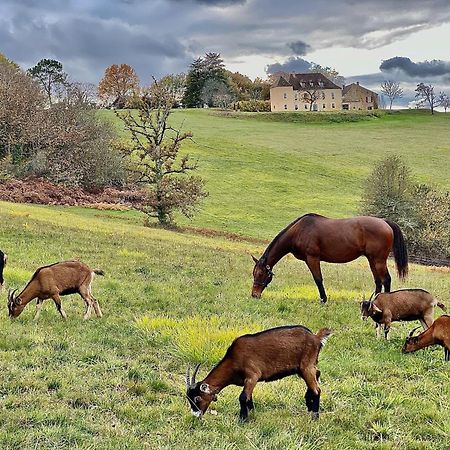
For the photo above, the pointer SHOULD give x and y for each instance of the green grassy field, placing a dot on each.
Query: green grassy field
(172, 299)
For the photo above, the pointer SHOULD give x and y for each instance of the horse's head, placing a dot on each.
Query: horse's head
(262, 276)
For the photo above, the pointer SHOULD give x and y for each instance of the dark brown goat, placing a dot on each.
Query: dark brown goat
(404, 304)
(63, 278)
(2, 265)
(437, 334)
(266, 356)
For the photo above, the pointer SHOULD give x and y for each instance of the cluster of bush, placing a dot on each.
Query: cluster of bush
(252, 106)
(422, 211)
(63, 141)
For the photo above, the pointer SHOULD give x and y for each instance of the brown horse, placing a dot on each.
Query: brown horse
(313, 238)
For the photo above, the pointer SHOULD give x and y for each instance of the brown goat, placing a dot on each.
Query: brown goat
(404, 304)
(266, 356)
(63, 278)
(437, 334)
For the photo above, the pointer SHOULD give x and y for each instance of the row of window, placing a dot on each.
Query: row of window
(324, 106)
(296, 95)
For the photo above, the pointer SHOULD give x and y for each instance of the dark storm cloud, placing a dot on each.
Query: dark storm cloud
(293, 64)
(299, 48)
(161, 36)
(433, 68)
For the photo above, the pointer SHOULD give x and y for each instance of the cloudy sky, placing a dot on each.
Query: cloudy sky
(253, 36)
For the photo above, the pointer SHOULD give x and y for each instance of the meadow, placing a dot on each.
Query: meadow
(173, 298)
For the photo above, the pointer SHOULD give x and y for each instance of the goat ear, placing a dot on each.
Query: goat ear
(376, 309)
(255, 259)
(204, 387)
(17, 301)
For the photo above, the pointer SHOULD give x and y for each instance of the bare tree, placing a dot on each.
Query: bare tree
(310, 96)
(444, 101)
(392, 90)
(426, 96)
(153, 158)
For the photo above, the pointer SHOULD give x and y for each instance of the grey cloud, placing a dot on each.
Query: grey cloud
(158, 36)
(293, 64)
(300, 48)
(433, 68)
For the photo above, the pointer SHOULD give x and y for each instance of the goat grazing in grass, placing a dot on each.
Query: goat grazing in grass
(2, 265)
(437, 334)
(266, 356)
(404, 304)
(63, 278)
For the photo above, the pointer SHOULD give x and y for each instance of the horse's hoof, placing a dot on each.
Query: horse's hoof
(323, 301)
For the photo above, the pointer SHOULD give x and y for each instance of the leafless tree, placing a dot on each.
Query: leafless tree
(426, 96)
(310, 96)
(153, 158)
(392, 90)
(444, 101)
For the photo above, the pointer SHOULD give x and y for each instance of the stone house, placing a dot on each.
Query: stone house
(355, 96)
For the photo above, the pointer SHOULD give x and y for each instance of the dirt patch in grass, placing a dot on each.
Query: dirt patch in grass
(43, 192)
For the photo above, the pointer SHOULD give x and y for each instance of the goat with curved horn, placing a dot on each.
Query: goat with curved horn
(413, 331)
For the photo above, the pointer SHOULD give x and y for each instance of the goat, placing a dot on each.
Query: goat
(53, 281)
(404, 304)
(265, 356)
(437, 334)
(2, 265)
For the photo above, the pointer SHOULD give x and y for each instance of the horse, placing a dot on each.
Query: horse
(314, 238)
(2, 265)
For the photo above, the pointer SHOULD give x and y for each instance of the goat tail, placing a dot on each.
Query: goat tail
(400, 250)
(442, 306)
(99, 272)
(323, 334)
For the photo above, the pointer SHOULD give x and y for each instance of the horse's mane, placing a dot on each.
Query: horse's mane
(278, 236)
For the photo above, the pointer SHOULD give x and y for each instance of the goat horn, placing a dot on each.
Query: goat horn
(188, 378)
(412, 332)
(195, 373)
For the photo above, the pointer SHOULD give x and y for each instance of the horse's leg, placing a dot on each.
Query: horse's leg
(378, 273)
(387, 281)
(313, 264)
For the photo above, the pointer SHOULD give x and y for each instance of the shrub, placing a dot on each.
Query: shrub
(423, 212)
(252, 106)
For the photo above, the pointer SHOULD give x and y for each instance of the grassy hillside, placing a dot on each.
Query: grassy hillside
(263, 173)
(173, 299)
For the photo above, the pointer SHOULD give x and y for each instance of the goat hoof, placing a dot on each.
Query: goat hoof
(315, 416)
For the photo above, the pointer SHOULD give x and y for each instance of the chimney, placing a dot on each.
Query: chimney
(357, 83)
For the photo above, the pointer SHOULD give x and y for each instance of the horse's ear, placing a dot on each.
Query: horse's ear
(255, 259)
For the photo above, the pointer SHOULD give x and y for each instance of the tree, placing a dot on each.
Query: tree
(153, 159)
(426, 96)
(444, 101)
(175, 84)
(388, 192)
(310, 96)
(49, 73)
(119, 82)
(210, 67)
(392, 90)
(217, 93)
(5, 60)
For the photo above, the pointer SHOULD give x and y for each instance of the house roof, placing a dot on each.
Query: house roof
(302, 81)
(347, 88)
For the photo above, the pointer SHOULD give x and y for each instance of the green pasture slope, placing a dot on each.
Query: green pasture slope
(172, 299)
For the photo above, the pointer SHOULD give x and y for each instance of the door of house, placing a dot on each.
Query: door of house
(315, 107)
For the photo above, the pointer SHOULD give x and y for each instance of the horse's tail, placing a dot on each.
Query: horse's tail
(400, 250)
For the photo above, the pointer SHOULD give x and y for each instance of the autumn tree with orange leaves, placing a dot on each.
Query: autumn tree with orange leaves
(118, 84)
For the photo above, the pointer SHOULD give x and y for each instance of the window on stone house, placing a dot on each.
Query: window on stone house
(296, 107)
(332, 95)
(323, 95)
(285, 95)
(285, 106)
(333, 105)
(306, 106)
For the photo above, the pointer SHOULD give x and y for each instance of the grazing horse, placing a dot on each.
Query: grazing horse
(313, 238)
(2, 265)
